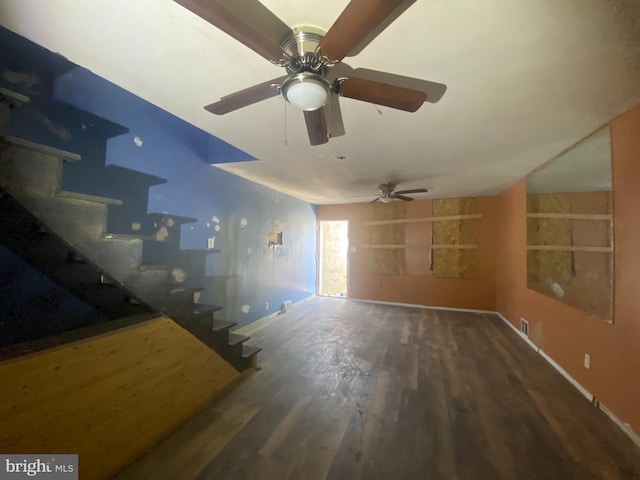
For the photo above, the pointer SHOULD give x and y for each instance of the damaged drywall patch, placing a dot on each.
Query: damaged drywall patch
(178, 274)
(60, 132)
(135, 226)
(245, 308)
(137, 141)
(161, 234)
(243, 223)
(19, 78)
(217, 228)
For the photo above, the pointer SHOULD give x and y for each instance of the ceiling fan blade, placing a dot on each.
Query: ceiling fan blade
(336, 125)
(415, 190)
(248, 21)
(392, 17)
(382, 94)
(317, 126)
(434, 90)
(375, 200)
(356, 22)
(246, 97)
(402, 197)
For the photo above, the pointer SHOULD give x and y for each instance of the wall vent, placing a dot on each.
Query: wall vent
(524, 326)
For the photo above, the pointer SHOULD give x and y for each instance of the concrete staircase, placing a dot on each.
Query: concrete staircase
(136, 253)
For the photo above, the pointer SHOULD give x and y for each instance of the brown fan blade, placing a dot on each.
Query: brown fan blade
(248, 21)
(336, 125)
(382, 94)
(355, 23)
(402, 197)
(317, 126)
(415, 190)
(434, 90)
(246, 97)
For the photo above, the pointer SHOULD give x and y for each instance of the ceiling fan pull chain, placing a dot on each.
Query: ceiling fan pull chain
(285, 123)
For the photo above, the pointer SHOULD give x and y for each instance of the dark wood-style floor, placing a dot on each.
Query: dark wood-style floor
(352, 390)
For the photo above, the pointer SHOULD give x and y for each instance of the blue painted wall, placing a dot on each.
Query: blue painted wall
(246, 273)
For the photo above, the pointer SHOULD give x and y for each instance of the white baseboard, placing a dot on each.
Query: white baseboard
(625, 427)
(428, 307)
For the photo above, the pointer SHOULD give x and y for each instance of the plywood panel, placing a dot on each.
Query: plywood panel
(386, 261)
(334, 258)
(110, 397)
(570, 249)
(454, 262)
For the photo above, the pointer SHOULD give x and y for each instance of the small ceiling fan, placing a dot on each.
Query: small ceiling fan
(388, 195)
(312, 58)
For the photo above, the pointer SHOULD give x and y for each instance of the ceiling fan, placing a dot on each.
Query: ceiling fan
(312, 59)
(388, 195)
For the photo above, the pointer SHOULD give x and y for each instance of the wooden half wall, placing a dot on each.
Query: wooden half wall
(108, 398)
(392, 259)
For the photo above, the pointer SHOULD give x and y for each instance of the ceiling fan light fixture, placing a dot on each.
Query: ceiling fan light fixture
(308, 91)
(386, 199)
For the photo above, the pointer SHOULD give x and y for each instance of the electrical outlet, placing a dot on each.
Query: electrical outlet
(587, 361)
(266, 305)
(211, 242)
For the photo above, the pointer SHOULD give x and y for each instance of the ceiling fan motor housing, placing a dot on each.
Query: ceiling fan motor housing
(306, 88)
(301, 50)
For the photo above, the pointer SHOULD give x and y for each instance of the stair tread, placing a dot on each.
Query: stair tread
(175, 218)
(55, 152)
(200, 250)
(235, 339)
(184, 289)
(200, 308)
(222, 324)
(150, 179)
(153, 266)
(13, 98)
(129, 236)
(248, 351)
(88, 198)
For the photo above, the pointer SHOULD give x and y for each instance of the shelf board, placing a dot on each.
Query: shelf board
(442, 218)
(454, 247)
(573, 216)
(569, 248)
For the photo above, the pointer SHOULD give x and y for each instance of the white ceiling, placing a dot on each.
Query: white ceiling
(526, 79)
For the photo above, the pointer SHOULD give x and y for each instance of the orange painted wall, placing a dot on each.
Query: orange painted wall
(566, 333)
(478, 293)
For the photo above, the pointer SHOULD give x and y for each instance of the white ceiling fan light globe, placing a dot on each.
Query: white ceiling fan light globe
(306, 91)
(386, 199)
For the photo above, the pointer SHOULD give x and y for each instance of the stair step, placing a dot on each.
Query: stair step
(235, 339)
(199, 250)
(184, 289)
(38, 147)
(127, 173)
(249, 351)
(146, 267)
(203, 308)
(88, 198)
(175, 218)
(219, 325)
(14, 99)
(129, 236)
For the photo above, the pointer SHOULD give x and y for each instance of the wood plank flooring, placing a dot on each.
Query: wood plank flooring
(351, 390)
